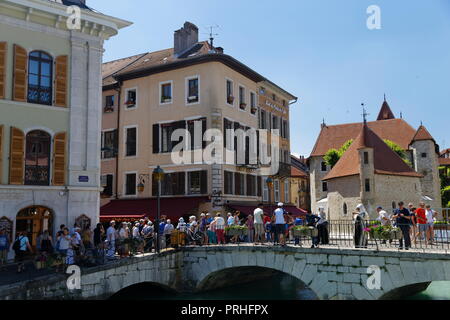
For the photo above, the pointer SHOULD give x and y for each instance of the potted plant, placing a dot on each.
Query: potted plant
(253, 110)
(243, 105)
(230, 99)
(304, 231)
(165, 99)
(130, 103)
(236, 230)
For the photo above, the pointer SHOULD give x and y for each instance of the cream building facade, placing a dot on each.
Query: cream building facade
(50, 114)
(154, 94)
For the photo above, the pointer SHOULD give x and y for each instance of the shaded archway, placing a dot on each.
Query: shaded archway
(144, 291)
(260, 282)
(34, 220)
(405, 291)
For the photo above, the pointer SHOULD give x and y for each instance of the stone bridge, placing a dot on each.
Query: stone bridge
(330, 273)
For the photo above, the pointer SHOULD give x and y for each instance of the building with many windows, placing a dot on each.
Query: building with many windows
(50, 136)
(196, 87)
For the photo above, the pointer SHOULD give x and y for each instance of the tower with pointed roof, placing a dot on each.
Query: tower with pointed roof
(425, 154)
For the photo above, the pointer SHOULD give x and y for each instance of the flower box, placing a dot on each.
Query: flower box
(243, 106)
(193, 99)
(166, 99)
(387, 234)
(253, 110)
(130, 103)
(236, 231)
(305, 232)
(230, 99)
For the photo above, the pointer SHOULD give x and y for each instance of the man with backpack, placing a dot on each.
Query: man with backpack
(21, 247)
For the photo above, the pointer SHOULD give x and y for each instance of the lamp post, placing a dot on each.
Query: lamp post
(158, 175)
(269, 183)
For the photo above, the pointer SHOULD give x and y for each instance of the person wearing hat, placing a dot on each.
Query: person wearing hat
(220, 228)
(280, 224)
(111, 238)
(385, 220)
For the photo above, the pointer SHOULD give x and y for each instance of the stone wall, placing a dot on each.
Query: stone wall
(316, 176)
(332, 274)
(343, 190)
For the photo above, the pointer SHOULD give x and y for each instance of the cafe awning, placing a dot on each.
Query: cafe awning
(173, 208)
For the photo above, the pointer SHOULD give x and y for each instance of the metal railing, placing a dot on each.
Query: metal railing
(342, 233)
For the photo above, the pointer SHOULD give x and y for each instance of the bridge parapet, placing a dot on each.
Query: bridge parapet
(330, 273)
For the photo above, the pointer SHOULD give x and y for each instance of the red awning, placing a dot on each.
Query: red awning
(173, 208)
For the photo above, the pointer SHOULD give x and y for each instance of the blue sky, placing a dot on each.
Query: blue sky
(320, 51)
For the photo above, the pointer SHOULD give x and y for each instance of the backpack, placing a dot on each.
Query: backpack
(16, 246)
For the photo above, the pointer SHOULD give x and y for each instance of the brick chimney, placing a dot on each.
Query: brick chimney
(185, 38)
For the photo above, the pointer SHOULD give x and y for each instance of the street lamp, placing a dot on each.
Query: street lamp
(269, 183)
(158, 175)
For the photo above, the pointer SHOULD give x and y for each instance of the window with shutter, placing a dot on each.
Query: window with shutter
(3, 56)
(16, 158)
(156, 138)
(59, 159)
(20, 74)
(1, 153)
(61, 81)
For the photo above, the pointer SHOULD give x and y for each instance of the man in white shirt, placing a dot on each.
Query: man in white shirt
(111, 237)
(258, 215)
(383, 217)
(280, 225)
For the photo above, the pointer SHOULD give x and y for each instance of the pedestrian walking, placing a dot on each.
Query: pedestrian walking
(421, 217)
(250, 223)
(168, 228)
(212, 235)
(22, 249)
(403, 219)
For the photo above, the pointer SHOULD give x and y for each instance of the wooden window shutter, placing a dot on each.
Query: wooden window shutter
(59, 159)
(16, 157)
(1, 152)
(20, 74)
(61, 81)
(156, 138)
(3, 58)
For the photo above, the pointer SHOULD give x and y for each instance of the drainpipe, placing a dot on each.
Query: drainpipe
(119, 94)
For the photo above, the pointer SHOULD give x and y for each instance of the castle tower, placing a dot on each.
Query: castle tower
(426, 162)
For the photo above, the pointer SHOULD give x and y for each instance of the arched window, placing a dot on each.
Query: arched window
(40, 75)
(345, 209)
(37, 158)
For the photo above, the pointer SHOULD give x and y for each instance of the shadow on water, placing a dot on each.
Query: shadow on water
(439, 290)
(278, 287)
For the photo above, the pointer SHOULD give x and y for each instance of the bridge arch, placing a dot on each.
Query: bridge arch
(146, 289)
(242, 275)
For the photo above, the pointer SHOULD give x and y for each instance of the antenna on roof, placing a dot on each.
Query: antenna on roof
(364, 114)
(212, 34)
(401, 115)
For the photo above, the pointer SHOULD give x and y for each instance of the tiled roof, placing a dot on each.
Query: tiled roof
(444, 152)
(385, 112)
(444, 161)
(385, 160)
(396, 130)
(147, 60)
(298, 173)
(112, 67)
(422, 134)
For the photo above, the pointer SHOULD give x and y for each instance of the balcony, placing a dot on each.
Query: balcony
(37, 175)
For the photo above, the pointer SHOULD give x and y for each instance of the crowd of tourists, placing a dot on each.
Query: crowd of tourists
(123, 239)
(416, 224)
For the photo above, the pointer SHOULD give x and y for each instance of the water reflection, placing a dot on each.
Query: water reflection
(439, 290)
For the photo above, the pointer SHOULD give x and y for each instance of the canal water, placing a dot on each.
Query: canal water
(278, 287)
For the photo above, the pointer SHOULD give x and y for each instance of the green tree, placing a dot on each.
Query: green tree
(332, 156)
(444, 174)
(445, 194)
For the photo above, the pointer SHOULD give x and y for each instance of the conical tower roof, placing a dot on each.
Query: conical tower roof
(385, 112)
